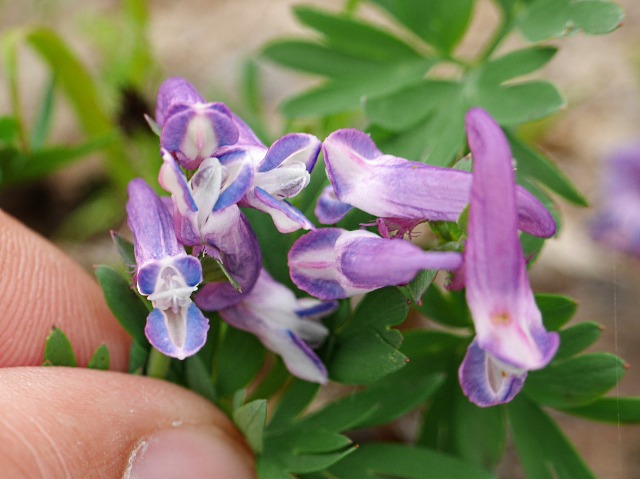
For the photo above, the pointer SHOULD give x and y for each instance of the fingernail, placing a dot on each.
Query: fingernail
(190, 451)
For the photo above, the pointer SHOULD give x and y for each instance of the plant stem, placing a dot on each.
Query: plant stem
(158, 364)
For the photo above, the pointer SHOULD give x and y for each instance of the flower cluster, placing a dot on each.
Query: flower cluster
(213, 164)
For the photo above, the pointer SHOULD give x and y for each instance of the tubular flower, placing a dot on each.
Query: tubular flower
(284, 324)
(511, 338)
(617, 223)
(206, 216)
(166, 275)
(332, 263)
(191, 128)
(280, 172)
(401, 191)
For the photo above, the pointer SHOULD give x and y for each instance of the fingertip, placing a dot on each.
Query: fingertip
(40, 287)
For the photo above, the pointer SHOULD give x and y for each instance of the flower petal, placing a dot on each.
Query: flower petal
(292, 148)
(390, 187)
(286, 218)
(508, 322)
(172, 91)
(178, 334)
(268, 311)
(195, 132)
(229, 236)
(150, 222)
(486, 381)
(329, 209)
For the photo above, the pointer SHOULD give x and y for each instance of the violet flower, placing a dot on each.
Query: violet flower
(166, 275)
(191, 128)
(284, 324)
(510, 337)
(332, 263)
(206, 217)
(404, 192)
(617, 223)
(280, 172)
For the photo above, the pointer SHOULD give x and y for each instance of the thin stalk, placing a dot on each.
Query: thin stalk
(158, 364)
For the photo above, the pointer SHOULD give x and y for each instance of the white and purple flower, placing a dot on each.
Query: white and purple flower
(510, 337)
(191, 129)
(286, 325)
(403, 192)
(166, 275)
(332, 263)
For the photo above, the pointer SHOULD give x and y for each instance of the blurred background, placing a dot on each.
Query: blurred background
(129, 47)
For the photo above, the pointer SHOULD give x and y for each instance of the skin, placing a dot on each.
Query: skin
(74, 422)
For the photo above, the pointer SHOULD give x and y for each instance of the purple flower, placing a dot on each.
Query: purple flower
(166, 275)
(402, 191)
(191, 128)
(617, 223)
(206, 217)
(332, 263)
(280, 172)
(284, 324)
(510, 337)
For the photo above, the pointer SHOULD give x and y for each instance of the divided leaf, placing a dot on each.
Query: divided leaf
(366, 348)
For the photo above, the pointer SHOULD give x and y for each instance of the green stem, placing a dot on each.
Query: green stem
(158, 364)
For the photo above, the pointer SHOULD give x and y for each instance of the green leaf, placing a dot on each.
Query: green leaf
(404, 108)
(577, 338)
(544, 19)
(42, 123)
(38, 164)
(251, 419)
(366, 349)
(447, 308)
(315, 58)
(515, 64)
(346, 93)
(574, 381)
(8, 130)
(544, 452)
(100, 359)
(378, 404)
(373, 461)
(425, 121)
(355, 37)
(58, 350)
(596, 17)
(125, 250)
(128, 308)
(441, 23)
(416, 288)
(479, 435)
(101, 212)
(616, 410)
(556, 310)
(239, 359)
(519, 103)
(300, 450)
(297, 396)
(364, 358)
(213, 270)
(198, 378)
